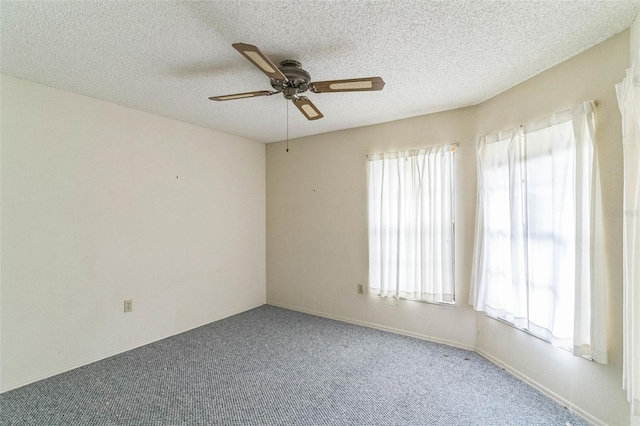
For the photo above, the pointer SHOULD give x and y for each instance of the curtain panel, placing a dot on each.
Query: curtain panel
(411, 213)
(538, 252)
(629, 102)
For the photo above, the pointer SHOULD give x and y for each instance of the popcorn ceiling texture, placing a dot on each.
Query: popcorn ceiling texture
(168, 57)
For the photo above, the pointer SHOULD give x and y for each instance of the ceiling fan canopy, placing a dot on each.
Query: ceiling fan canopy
(291, 80)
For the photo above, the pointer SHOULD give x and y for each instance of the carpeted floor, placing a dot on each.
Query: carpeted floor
(272, 366)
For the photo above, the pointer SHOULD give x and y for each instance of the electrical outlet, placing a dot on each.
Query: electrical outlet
(360, 289)
(128, 305)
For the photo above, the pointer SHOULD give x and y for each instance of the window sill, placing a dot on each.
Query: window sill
(447, 304)
(588, 358)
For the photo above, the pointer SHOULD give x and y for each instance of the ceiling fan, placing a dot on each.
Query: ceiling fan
(291, 79)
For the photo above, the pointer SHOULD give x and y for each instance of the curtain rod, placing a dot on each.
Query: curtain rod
(452, 145)
(456, 144)
(595, 103)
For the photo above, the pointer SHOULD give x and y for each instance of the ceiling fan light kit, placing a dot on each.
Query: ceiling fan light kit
(291, 80)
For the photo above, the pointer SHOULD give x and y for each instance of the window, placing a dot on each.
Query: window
(538, 260)
(411, 224)
(628, 92)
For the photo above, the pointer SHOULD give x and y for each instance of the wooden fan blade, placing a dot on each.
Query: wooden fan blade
(241, 96)
(307, 108)
(263, 63)
(351, 85)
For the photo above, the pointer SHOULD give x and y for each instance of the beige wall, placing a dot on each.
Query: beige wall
(591, 75)
(317, 225)
(634, 57)
(317, 228)
(102, 203)
(634, 45)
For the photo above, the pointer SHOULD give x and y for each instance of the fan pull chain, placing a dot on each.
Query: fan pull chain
(287, 126)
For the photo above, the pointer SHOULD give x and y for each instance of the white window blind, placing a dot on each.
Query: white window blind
(411, 224)
(538, 258)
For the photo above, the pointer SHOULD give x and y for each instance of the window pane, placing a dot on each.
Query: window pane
(551, 231)
(411, 225)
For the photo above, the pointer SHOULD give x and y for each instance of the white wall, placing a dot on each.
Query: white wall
(102, 203)
(317, 228)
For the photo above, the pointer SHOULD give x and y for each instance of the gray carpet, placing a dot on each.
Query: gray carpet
(272, 366)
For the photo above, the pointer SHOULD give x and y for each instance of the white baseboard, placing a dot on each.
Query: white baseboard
(64, 368)
(528, 380)
(5, 387)
(373, 325)
(560, 400)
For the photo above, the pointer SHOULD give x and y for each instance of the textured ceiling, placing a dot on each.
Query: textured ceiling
(168, 57)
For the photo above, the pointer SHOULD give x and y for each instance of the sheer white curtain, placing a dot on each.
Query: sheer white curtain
(411, 224)
(494, 262)
(538, 260)
(629, 101)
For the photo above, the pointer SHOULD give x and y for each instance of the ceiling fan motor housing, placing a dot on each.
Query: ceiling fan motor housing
(298, 79)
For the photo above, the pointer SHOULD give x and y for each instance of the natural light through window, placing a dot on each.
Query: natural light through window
(411, 224)
(538, 260)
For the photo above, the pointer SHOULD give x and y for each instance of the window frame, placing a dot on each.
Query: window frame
(451, 228)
